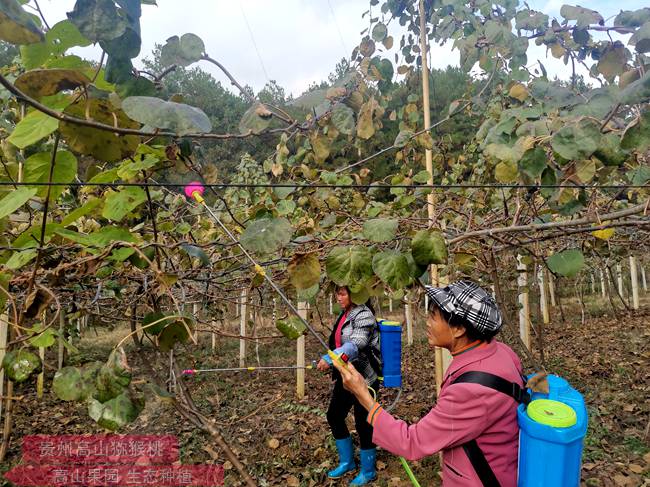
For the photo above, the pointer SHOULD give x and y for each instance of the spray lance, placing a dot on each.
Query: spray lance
(195, 191)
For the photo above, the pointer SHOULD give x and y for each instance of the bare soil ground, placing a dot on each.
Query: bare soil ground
(283, 441)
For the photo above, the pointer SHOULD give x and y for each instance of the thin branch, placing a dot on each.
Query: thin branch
(40, 13)
(545, 226)
(126, 131)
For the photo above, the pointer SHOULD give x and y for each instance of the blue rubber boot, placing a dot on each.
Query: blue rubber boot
(346, 459)
(368, 472)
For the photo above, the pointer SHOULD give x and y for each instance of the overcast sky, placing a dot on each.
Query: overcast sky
(295, 42)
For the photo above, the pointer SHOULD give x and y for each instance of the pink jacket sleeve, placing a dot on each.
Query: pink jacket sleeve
(459, 416)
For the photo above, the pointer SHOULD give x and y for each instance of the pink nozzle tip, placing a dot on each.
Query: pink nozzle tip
(194, 187)
(188, 372)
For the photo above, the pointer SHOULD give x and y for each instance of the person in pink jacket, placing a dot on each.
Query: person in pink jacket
(474, 425)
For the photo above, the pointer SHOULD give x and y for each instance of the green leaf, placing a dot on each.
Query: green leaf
(578, 140)
(117, 412)
(349, 266)
(121, 203)
(178, 117)
(307, 294)
(37, 170)
(641, 38)
(392, 267)
(19, 259)
(310, 100)
(101, 144)
(403, 138)
(533, 162)
(380, 229)
(610, 151)
(422, 177)
(20, 365)
(174, 333)
(640, 175)
(304, 270)
(74, 384)
(113, 377)
(44, 339)
(583, 16)
(5, 279)
(637, 134)
(196, 252)
(16, 26)
(285, 207)
(100, 238)
(154, 323)
(266, 235)
(506, 172)
(34, 127)
(98, 20)
(256, 119)
(379, 32)
(566, 263)
(632, 18)
(636, 92)
(292, 328)
(132, 168)
(182, 52)
(429, 247)
(15, 199)
(343, 119)
(61, 37)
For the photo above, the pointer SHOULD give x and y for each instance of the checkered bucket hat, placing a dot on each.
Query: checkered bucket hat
(467, 300)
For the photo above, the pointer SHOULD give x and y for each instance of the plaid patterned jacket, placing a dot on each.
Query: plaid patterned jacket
(360, 328)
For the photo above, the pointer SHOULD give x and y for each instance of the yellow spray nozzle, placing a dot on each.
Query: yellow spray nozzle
(336, 358)
(197, 197)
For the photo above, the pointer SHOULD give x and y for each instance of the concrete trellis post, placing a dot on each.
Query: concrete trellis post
(603, 286)
(543, 300)
(426, 303)
(331, 305)
(242, 327)
(635, 283)
(593, 283)
(524, 306)
(645, 283)
(213, 336)
(300, 354)
(390, 304)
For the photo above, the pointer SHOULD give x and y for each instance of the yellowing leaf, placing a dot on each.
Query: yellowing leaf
(518, 91)
(604, 234)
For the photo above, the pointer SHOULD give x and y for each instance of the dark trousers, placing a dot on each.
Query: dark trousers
(340, 404)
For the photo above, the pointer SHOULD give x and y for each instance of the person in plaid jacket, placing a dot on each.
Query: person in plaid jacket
(356, 335)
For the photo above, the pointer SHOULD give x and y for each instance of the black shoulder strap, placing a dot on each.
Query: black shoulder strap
(480, 464)
(471, 448)
(515, 391)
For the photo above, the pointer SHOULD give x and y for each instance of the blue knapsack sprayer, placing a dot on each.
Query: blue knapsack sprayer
(552, 425)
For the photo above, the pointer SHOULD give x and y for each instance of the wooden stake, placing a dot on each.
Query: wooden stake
(543, 301)
(242, 327)
(428, 157)
(409, 321)
(4, 330)
(300, 354)
(619, 279)
(40, 378)
(635, 283)
(551, 289)
(524, 306)
(61, 351)
(390, 304)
